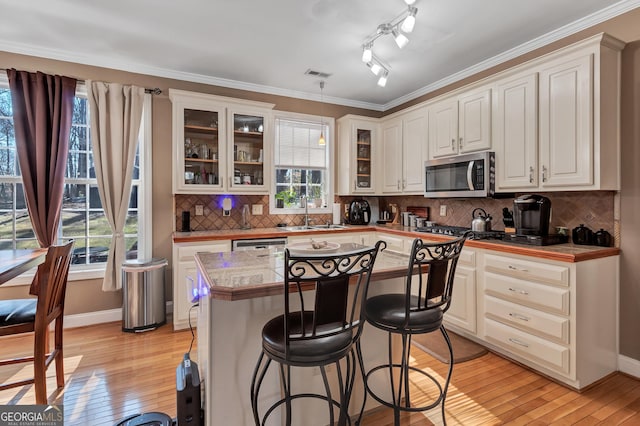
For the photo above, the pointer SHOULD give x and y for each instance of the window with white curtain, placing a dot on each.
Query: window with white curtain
(82, 216)
(302, 167)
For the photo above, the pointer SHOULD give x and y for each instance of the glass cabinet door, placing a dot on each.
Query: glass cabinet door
(363, 158)
(201, 148)
(248, 151)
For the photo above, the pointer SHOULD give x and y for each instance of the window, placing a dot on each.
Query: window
(302, 166)
(82, 216)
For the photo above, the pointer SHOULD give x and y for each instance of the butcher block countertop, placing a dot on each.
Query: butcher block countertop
(559, 252)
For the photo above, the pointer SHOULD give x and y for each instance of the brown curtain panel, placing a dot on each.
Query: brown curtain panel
(42, 112)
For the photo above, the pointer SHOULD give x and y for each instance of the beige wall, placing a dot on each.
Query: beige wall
(86, 296)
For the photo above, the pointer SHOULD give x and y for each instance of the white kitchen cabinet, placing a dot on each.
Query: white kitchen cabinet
(404, 150)
(460, 124)
(556, 317)
(462, 312)
(575, 143)
(515, 131)
(357, 144)
(220, 144)
(184, 274)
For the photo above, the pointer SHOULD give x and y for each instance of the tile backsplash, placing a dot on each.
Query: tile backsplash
(594, 209)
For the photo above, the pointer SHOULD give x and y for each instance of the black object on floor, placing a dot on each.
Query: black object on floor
(146, 419)
(188, 393)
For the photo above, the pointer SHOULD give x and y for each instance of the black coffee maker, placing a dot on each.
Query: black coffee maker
(531, 213)
(359, 212)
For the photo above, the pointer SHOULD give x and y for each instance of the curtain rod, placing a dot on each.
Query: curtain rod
(154, 91)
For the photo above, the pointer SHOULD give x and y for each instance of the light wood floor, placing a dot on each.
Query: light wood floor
(111, 374)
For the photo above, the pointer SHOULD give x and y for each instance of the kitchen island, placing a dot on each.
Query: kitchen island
(240, 292)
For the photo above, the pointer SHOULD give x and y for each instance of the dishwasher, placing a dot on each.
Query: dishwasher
(258, 243)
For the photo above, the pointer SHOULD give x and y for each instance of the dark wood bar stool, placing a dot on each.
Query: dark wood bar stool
(317, 332)
(418, 310)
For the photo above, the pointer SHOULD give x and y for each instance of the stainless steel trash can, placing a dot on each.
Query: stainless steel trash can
(143, 283)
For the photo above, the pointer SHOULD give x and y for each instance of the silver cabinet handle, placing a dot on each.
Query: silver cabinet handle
(516, 290)
(460, 143)
(518, 316)
(544, 173)
(518, 342)
(515, 268)
(355, 184)
(398, 184)
(221, 181)
(404, 183)
(530, 174)
(453, 144)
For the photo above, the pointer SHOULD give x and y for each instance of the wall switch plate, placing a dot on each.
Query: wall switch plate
(256, 209)
(199, 210)
(443, 210)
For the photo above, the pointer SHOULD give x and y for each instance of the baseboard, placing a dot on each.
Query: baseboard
(99, 317)
(629, 366)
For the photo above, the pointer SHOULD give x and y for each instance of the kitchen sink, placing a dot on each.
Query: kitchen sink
(328, 226)
(311, 228)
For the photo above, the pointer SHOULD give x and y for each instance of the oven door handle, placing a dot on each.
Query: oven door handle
(470, 175)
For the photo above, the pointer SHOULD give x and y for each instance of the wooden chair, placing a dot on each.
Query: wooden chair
(34, 315)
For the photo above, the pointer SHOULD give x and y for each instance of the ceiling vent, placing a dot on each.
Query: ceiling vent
(314, 73)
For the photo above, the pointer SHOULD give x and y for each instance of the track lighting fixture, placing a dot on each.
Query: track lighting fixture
(397, 28)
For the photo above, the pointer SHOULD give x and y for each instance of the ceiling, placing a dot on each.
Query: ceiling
(267, 46)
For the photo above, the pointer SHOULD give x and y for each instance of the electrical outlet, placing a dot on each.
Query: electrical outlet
(256, 209)
(199, 210)
(443, 210)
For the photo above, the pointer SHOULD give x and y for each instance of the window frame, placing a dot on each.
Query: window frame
(329, 124)
(145, 190)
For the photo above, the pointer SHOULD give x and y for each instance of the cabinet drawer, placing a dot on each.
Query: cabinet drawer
(552, 299)
(538, 350)
(542, 272)
(186, 253)
(467, 257)
(536, 322)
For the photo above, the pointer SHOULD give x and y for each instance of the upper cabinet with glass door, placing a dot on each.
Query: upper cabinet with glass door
(356, 144)
(219, 143)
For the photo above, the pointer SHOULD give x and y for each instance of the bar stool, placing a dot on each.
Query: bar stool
(420, 309)
(317, 332)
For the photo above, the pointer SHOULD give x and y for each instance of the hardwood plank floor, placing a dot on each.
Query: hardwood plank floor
(111, 374)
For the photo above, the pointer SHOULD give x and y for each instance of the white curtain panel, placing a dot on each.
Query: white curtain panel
(116, 113)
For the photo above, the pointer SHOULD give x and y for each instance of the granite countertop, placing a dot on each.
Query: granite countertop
(248, 274)
(559, 252)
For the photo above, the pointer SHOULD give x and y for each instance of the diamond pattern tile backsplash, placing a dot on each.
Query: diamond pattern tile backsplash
(594, 209)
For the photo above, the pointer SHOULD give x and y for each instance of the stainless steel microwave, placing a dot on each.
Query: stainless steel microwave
(462, 176)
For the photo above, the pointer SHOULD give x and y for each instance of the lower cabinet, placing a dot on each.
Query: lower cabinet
(556, 317)
(462, 312)
(184, 273)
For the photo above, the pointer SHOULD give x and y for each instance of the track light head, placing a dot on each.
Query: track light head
(401, 39)
(375, 68)
(382, 81)
(410, 21)
(367, 53)
(409, 2)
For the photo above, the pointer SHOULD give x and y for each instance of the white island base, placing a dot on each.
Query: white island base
(229, 343)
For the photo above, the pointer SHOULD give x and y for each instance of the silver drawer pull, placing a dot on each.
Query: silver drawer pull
(518, 316)
(515, 290)
(514, 268)
(518, 342)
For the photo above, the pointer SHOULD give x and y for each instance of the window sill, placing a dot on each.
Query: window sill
(89, 272)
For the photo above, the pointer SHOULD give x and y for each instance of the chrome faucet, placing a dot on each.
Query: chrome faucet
(306, 211)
